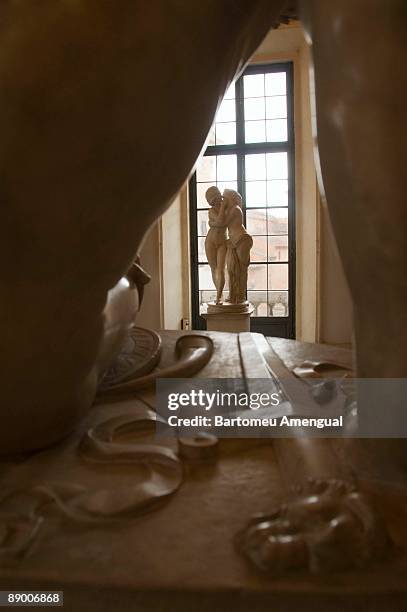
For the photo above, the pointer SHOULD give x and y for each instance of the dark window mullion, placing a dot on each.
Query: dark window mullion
(239, 113)
(250, 147)
(195, 291)
(291, 197)
(241, 184)
(241, 142)
(264, 263)
(266, 68)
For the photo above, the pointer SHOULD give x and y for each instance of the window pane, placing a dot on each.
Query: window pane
(278, 248)
(259, 249)
(278, 276)
(277, 221)
(204, 298)
(202, 222)
(255, 131)
(257, 277)
(276, 130)
(226, 168)
(201, 189)
(225, 133)
(276, 107)
(258, 299)
(275, 84)
(278, 303)
(201, 250)
(255, 167)
(277, 193)
(200, 194)
(226, 111)
(256, 193)
(205, 277)
(206, 169)
(277, 166)
(254, 108)
(256, 221)
(253, 85)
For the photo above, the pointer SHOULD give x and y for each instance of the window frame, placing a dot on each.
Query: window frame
(277, 326)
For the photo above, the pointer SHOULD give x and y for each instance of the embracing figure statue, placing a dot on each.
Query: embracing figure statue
(215, 242)
(234, 251)
(238, 247)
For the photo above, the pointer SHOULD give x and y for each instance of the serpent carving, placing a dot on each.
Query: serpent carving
(24, 508)
(328, 526)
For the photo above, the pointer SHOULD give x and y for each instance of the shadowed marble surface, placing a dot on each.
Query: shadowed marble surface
(183, 554)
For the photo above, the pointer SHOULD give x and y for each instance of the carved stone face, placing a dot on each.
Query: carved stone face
(213, 196)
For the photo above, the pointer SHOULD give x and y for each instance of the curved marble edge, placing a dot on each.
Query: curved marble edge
(193, 352)
(137, 370)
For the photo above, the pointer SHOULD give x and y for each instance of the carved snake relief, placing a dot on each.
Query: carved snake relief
(329, 526)
(23, 509)
(105, 444)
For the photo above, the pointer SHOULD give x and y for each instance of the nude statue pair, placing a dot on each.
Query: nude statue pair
(97, 139)
(225, 213)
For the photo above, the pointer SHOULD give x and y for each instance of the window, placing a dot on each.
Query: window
(251, 149)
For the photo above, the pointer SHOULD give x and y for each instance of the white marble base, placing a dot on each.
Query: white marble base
(228, 317)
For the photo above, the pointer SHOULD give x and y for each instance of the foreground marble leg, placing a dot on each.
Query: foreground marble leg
(90, 117)
(326, 522)
(362, 129)
(358, 48)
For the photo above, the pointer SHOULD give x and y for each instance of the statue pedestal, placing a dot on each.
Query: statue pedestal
(228, 317)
